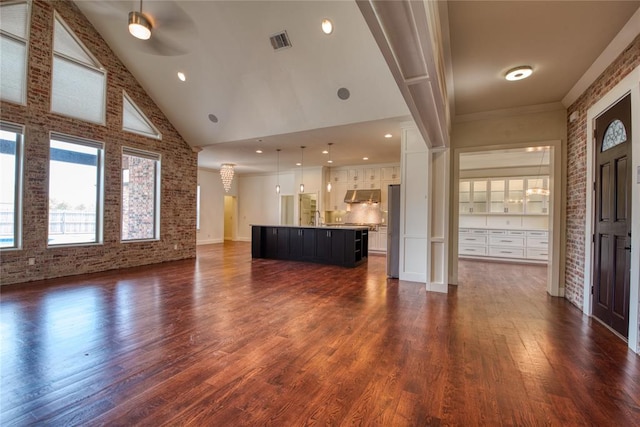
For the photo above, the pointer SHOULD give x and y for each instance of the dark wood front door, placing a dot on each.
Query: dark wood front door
(613, 217)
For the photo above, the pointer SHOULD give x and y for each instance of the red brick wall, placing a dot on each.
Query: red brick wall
(577, 167)
(179, 164)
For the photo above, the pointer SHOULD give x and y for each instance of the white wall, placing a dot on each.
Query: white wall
(258, 202)
(211, 207)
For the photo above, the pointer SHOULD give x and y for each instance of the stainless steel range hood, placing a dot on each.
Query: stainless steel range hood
(362, 196)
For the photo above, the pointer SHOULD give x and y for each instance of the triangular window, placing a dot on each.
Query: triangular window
(134, 120)
(14, 36)
(78, 86)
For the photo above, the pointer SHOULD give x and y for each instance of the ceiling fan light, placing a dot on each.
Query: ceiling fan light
(519, 73)
(139, 26)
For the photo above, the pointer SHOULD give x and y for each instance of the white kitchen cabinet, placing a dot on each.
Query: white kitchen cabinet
(336, 197)
(522, 245)
(390, 173)
(337, 175)
(378, 240)
(371, 175)
(354, 175)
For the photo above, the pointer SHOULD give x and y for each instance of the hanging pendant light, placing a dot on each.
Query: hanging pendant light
(302, 147)
(329, 161)
(540, 191)
(139, 25)
(278, 171)
(226, 174)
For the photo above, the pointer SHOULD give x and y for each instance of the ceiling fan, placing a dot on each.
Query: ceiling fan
(164, 28)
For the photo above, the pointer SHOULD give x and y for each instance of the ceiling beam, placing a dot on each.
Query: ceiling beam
(409, 36)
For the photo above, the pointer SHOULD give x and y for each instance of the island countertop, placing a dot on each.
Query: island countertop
(347, 246)
(323, 227)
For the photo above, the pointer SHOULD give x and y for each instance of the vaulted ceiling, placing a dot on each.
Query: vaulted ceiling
(266, 99)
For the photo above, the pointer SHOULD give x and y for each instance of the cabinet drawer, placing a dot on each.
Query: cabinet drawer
(507, 241)
(477, 231)
(544, 234)
(472, 240)
(506, 252)
(537, 254)
(472, 250)
(497, 233)
(516, 233)
(537, 242)
(463, 231)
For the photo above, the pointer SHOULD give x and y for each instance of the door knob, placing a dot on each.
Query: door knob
(627, 248)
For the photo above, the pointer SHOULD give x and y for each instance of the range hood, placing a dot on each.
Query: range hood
(362, 196)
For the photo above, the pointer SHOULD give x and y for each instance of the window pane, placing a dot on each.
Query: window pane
(9, 189)
(139, 197)
(198, 208)
(133, 120)
(614, 135)
(64, 43)
(74, 187)
(12, 70)
(77, 91)
(14, 19)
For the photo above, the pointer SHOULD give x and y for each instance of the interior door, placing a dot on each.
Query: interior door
(610, 299)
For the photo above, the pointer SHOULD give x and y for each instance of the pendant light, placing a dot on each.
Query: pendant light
(226, 175)
(302, 147)
(540, 191)
(278, 171)
(139, 25)
(329, 161)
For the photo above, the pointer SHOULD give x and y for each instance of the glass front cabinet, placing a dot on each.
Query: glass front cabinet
(513, 195)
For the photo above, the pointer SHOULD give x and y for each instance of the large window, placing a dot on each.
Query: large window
(75, 190)
(78, 85)
(10, 185)
(140, 195)
(14, 35)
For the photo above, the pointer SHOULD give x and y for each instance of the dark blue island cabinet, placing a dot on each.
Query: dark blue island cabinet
(344, 246)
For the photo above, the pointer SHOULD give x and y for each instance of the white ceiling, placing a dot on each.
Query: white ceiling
(289, 98)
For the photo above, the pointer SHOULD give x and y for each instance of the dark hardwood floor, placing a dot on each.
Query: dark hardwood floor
(225, 340)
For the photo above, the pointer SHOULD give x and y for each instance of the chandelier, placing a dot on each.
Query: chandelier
(226, 174)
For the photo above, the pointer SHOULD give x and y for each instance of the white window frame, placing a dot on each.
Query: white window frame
(157, 199)
(99, 237)
(26, 49)
(64, 57)
(19, 179)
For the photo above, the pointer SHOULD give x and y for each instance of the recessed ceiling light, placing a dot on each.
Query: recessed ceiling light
(298, 164)
(325, 152)
(327, 26)
(388, 135)
(181, 76)
(259, 151)
(519, 73)
(329, 161)
(365, 158)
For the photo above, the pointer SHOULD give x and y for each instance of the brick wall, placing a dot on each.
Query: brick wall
(179, 164)
(577, 167)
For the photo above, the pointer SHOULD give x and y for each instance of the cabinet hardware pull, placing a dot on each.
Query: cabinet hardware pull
(505, 252)
(506, 241)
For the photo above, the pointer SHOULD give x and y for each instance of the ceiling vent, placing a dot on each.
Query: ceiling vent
(280, 41)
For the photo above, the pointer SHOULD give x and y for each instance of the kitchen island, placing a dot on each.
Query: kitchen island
(347, 246)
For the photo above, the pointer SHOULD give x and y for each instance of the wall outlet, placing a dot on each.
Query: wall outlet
(32, 261)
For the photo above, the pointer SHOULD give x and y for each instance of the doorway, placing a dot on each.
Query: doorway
(612, 217)
(308, 208)
(230, 210)
(506, 205)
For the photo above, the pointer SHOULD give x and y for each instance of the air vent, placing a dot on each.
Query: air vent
(280, 41)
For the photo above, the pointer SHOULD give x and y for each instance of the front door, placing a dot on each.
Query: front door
(610, 299)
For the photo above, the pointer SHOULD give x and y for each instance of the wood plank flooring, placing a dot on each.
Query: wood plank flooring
(225, 340)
